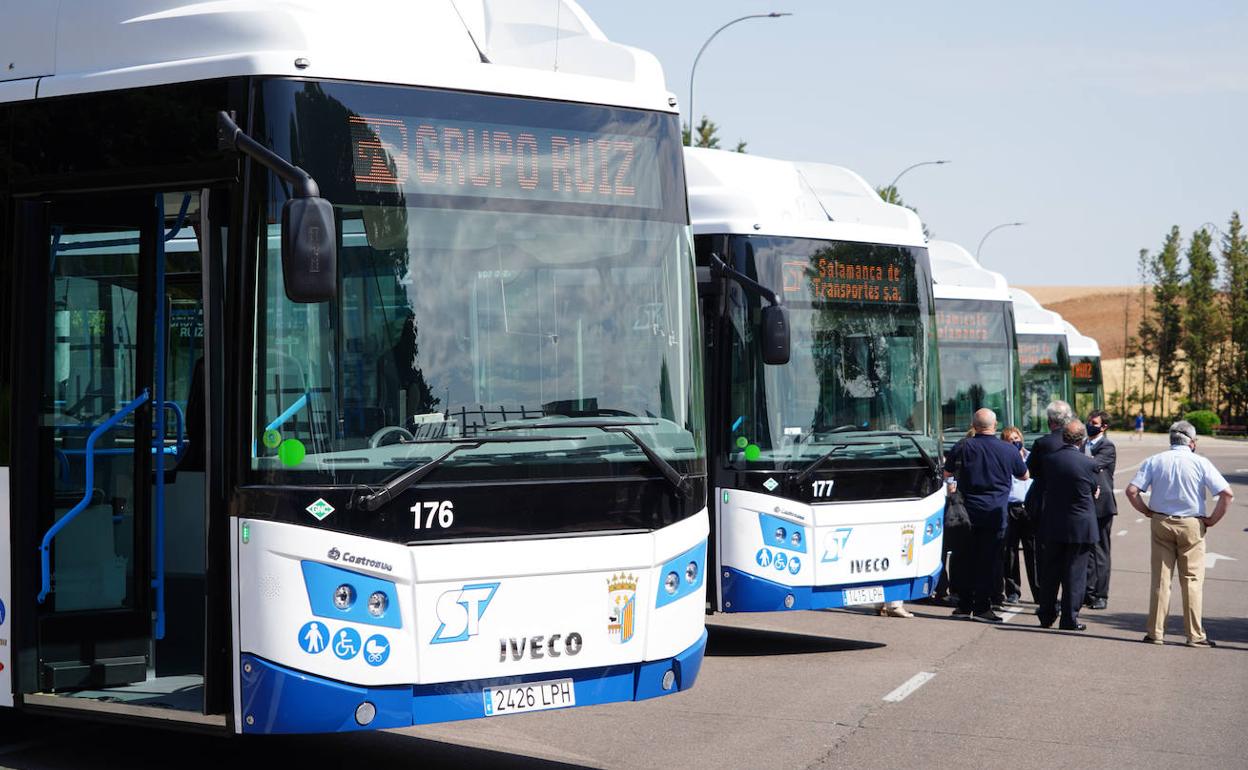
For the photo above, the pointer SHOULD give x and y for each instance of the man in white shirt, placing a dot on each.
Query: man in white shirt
(1179, 480)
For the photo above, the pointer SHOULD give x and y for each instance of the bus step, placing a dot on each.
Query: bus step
(103, 672)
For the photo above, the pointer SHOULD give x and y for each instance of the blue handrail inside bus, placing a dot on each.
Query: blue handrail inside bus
(300, 403)
(158, 498)
(45, 562)
(181, 433)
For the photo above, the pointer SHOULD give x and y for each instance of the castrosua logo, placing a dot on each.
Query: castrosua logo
(333, 554)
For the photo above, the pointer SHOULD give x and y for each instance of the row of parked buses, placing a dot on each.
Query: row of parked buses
(361, 375)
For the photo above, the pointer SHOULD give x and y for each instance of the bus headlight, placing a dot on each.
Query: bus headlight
(796, 540)
(671, 583)
(344, 597)
(377, 603)
(780, 533)
(691, 572)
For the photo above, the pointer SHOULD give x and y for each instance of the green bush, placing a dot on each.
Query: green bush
(1204, 420)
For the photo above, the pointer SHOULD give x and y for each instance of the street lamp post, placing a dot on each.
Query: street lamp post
(693, 70)
(993, 230)
(905, 170)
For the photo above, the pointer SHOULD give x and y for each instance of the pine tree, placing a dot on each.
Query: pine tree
(1235, 273)
(707, 136)
(1201, 318)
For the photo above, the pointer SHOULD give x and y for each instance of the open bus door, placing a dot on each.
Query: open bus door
(108, 483)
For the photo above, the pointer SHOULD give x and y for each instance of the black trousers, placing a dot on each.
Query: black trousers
(955, 578)
(1065, 565)
(1019, 532)
(1098, 563)
(983, 560)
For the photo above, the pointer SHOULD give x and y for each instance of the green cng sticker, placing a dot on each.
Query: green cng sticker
(320, 509)
(771, 484)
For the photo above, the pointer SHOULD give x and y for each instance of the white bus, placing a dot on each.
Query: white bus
(822, 387)
(1087, 384)
(351, 372)
(975, 329)
(1043, 360)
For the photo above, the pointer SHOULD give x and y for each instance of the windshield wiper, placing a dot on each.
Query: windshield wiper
(405, 480)
(623, 427)
(806, 472)
(931, 463)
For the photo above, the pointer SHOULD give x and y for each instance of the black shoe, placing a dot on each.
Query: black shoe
(1151, 640)
(961, 613)
(1075, 627)
(998, 607)
(1098, 604)
(1046, 622)
(1203, 643)
(988, 617)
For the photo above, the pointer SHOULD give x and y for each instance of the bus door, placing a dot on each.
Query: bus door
(118, 519)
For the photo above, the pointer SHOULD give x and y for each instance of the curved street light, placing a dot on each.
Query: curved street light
(990, 232)
(693, 70)
(914, 166)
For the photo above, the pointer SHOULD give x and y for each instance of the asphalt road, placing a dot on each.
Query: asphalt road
(814, 689)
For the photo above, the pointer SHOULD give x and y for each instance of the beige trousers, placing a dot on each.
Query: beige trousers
(1181, 543)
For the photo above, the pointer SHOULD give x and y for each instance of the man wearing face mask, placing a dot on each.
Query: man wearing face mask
(1105, 456)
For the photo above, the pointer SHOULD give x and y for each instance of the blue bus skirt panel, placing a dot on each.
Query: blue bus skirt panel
(277, 699)
(746, 593)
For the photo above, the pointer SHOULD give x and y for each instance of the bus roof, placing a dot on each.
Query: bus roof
(1080, 344)
(736, 193)
(1030, 317)
(526, 47)
(957, 275)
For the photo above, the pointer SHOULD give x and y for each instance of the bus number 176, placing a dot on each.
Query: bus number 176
(444, 511)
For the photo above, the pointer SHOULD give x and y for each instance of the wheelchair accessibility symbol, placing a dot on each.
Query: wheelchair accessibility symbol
(346, 644)
(376, 650)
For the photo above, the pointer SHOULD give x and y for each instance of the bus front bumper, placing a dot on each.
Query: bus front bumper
(747, 593)
(277, 699)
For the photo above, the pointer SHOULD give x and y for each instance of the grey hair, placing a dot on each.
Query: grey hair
(1059, 413)
(1182, 432)
(1073, 433)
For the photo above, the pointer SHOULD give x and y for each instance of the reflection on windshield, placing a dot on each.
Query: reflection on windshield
(861, 360)
(466, 313)
(1045, 371)
(976, 361)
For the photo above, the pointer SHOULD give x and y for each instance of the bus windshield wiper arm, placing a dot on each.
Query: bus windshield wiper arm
(404, 480)
(813, 466)
(623, 427)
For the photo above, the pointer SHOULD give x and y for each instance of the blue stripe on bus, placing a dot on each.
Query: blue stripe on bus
(745, 593)
(277, 699)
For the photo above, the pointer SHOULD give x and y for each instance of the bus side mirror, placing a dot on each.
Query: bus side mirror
(774, 334)
(309, 252)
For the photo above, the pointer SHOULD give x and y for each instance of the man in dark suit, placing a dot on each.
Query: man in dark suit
(1058, 413)
(1068, 528)
(1105, 455)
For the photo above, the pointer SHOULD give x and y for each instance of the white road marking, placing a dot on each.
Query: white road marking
(1211, 559)
(910, 685)
(1121, 532)
(1007, 616)
(1140, 520)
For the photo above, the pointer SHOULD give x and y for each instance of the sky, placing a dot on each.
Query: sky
(1100, 125)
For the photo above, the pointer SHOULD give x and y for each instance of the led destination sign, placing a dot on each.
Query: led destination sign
(1083, 370)
(970, 327)
(431, 156)
(1037, 352)
(861, 279)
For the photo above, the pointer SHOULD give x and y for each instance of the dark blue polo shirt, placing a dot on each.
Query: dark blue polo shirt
(985, 467)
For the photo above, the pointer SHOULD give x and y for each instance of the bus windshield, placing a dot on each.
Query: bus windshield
(861, 373)
(508, 269)
(976, 361)
(1044, 367)
(1085, 372)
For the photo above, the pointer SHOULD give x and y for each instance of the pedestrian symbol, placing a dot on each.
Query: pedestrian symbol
(346, 644)
(376, 650)
(763, 557)
(312, 637)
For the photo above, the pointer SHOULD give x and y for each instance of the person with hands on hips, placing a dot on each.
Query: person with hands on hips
(1179, 480)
